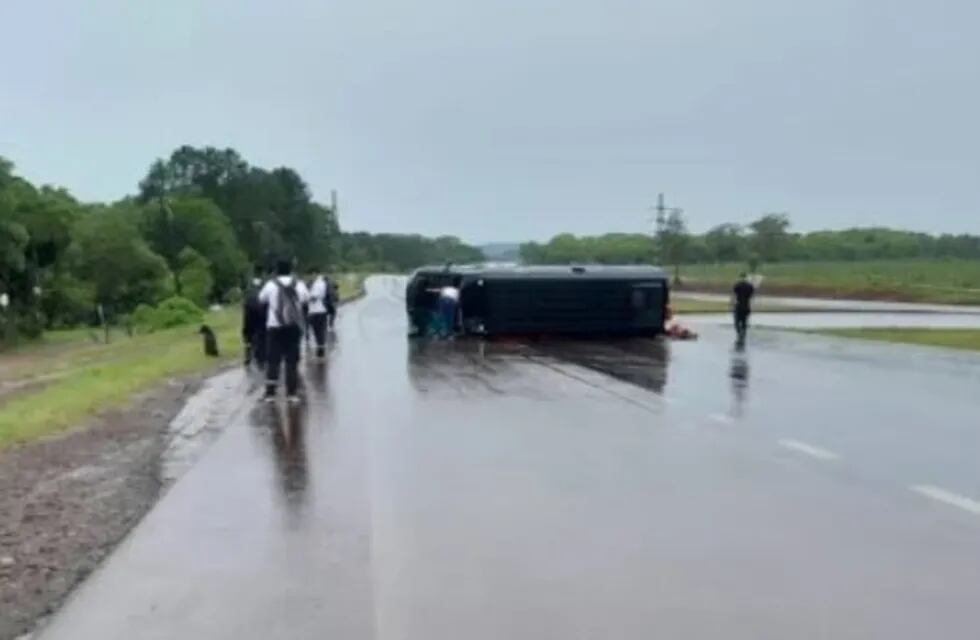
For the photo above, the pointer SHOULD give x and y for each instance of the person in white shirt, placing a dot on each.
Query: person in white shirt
(284, 295)
(319, 299)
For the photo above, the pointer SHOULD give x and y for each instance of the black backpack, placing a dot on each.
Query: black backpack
(289, 311)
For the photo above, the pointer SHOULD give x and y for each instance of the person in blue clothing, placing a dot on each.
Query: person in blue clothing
(447, 311)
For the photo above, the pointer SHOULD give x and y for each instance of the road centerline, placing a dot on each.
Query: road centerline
(818, 453)
(947, 497)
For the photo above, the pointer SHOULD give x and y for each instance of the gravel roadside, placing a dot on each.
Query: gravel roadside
(66, 501)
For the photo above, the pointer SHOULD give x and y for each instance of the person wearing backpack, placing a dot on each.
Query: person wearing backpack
(285, 295)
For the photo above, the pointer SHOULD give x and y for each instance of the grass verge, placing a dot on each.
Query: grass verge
(939, 281)
(968, 339)
(77, 378)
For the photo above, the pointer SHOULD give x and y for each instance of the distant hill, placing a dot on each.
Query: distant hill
(501, 251)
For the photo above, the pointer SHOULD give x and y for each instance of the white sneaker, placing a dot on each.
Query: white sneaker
(294, 399)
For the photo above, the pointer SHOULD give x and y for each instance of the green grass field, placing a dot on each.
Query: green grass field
(951, 338)
(54, 384)
(938, 281)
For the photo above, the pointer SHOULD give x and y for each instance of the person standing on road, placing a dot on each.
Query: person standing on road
(319, 299)
(307, 335)
(333, 299)
(742, 294)
(285, 295)
(254, 315)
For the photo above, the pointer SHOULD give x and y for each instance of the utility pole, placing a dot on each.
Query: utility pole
(662, 236)
(663, 210)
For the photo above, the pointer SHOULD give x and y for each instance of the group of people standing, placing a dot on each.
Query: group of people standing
(280, 314)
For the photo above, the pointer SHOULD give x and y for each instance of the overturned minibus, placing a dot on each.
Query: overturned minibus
(496, 300)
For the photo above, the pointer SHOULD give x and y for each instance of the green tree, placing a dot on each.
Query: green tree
(66, 299)
(110, 253)
(306, 227)
(192, 171)
(195, 278)
(251, 203)
(35, 226)
(725, 243)
(401, 252)
(272, 213)
(171, 226)
(621, 248)
(13, 243)
(565, 248)
(532, 253)
(770, 236)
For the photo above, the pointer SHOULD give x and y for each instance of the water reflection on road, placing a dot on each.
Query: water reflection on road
(639, 361)
(738, 374)
(287, 429)
(569, 489)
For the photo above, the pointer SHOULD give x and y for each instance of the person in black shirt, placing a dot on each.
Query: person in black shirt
(254, 314)
(742, 294)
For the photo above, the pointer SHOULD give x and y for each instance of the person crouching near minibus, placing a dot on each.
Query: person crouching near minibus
(448, 309)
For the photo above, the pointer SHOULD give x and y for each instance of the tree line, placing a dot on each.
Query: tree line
(202, 221)
(392, 252)
(765, 240)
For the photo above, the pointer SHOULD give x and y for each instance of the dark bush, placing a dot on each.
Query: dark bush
(172, 312)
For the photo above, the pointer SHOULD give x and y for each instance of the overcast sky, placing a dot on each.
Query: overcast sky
(515, 119)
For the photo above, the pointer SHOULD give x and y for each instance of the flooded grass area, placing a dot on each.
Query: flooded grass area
(968, 339)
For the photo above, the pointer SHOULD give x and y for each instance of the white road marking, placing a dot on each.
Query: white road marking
(722, 418)
(810, 450)
(947, 497)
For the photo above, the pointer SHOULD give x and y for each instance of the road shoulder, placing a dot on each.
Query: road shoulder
(65, 502)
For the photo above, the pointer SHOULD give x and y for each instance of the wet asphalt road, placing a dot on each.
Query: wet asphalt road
(804, 488)
(844, 319)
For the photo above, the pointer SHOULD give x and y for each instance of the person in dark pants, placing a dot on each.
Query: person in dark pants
(742, 294)
(333, 299)
(319, 295)
(285, 296)
(448, 304)
(254, 315)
